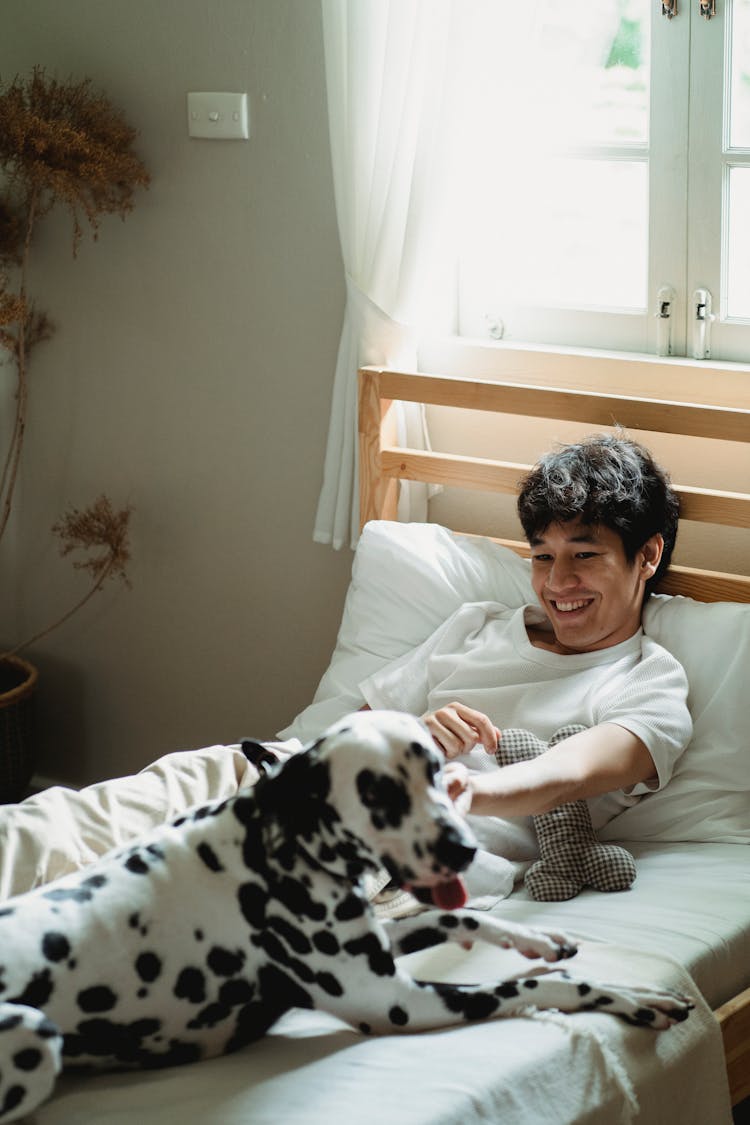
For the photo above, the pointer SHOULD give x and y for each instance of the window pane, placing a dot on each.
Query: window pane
(566, 74)
(738, 273)
(739, 133)
(568, 232)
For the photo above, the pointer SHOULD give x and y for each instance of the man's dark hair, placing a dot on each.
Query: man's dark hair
(606, 479)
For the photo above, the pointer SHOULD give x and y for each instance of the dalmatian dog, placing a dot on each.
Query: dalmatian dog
(194, 940)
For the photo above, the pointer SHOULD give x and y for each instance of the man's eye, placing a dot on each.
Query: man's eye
(540, 558)
(586, 555)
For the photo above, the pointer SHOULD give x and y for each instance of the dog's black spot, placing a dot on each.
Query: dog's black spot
(7, 911)
(365, 1029)
(190, 985)
(330, 984)
(27, 1059)
(7, 1023)
(209, 857)
(451, 850)
(379, 960)
(297, 899)
(225, 962)
(98, 998)
(252, 899)
(55, 946)
(103, 1038)
(136, 865)
(480, 1005)
(423, 938)
(397, 1016)
(351, 906)
(148, 966)
(326, 942)
(279, 955)
(37, 991)
(584, 989)
(451, 922)
(294, 936)
(387, 799)
(471, 1005)
(14, 1095)
(508, 990)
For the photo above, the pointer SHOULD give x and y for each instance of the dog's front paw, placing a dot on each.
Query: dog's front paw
(549, 946)
(642, 1007)
(657, 1008)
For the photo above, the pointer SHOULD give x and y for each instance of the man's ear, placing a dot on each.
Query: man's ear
(649, 556)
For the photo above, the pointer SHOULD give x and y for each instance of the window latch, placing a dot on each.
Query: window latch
(664, 316)
(702, 321)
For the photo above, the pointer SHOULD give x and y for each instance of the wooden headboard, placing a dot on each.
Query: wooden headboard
(383, 463)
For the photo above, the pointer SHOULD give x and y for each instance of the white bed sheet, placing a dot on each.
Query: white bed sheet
(689, 901)
(546, 1069)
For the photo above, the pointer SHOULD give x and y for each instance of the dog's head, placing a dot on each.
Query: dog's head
(385, 783)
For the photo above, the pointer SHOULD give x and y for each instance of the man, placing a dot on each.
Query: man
(601, 521)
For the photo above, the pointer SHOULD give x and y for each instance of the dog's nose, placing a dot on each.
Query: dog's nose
(452, 850)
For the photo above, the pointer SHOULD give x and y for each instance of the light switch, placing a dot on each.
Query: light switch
(223, 117)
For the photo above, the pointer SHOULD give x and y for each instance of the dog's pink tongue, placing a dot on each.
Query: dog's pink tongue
(450, 895)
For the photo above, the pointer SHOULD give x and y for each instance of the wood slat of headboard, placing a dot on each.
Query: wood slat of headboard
(731, 509)
(659, 415)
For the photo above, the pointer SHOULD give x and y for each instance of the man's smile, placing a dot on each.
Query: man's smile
(569, 606)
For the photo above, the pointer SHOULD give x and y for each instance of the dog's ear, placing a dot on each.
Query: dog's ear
(258, 755)
(296, 794)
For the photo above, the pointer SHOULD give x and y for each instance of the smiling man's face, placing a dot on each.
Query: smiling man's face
(587, 587)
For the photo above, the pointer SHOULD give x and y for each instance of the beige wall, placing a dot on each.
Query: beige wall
(190, 375)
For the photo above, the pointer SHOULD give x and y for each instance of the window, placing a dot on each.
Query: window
(606, 193)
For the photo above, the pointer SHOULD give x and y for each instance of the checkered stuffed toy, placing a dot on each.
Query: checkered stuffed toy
(570, 856)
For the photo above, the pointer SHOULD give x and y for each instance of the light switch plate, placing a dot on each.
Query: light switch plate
(222, 117)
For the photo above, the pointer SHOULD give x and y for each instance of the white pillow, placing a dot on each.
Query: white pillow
(708, 797)
(408, 578)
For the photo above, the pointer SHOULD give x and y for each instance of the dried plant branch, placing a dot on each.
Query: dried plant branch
(98, 526)
(60, 143)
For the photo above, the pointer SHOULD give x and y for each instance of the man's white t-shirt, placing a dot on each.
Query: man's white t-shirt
(482, 657)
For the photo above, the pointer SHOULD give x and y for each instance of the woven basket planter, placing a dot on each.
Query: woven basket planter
(18, 680)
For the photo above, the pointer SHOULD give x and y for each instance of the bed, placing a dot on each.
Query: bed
(685, 922)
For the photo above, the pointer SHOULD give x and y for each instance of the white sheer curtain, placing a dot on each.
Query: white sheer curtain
(390, 72)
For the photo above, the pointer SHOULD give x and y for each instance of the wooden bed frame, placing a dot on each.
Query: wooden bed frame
(383, 463)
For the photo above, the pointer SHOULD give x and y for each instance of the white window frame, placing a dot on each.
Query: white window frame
(686, 233)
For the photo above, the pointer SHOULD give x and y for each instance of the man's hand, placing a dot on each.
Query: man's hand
(457, 730)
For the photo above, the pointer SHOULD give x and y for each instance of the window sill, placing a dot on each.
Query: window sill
(665, 377)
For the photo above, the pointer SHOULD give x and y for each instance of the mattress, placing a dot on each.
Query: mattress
(693, 913)
(689, 901)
